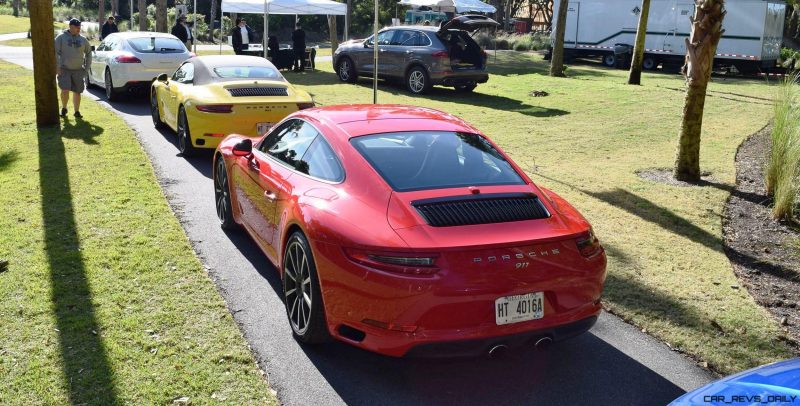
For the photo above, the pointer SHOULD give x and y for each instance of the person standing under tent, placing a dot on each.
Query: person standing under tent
(299, 47)
(242, 36)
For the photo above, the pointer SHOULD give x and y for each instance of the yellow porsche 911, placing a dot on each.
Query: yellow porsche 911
(209, 97)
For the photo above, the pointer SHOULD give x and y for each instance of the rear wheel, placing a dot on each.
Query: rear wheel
(184, 136)
(301, 291)
(649, 63)
(417, 80)
(610, 60)
(111, 94)
(346, 71)
(222, 196)
(154, 113)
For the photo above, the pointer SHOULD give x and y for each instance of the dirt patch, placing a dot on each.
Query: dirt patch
(764, 252)
(664, 175)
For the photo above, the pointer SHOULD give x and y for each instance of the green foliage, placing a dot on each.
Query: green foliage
(783, 164)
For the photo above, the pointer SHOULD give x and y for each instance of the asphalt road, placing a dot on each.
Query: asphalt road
(614, 364)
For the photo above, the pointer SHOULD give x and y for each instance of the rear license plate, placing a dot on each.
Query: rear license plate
(514, 309)
(262, 128)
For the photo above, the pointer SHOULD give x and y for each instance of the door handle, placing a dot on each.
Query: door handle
(253, 164)
(269, 196)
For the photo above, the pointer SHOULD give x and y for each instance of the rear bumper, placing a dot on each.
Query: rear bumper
(451, 308)
(208, 129)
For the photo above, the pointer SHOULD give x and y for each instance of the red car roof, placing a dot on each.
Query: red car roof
(363, 119)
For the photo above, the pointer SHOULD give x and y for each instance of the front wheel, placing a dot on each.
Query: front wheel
(222, 196)
(184, 136)
(417, 80)
(301, 292)
(111, 94)
(346, 71)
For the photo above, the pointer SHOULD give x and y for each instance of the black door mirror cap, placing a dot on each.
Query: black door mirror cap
(243, 148)
(162, 77)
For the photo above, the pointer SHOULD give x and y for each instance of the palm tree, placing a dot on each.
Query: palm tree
(142, 15)
(701, 46)
(635, 76)
(557, 57)
(44, 62)
(161, 16)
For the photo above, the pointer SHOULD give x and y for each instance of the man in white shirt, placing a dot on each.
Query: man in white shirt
(242, 36)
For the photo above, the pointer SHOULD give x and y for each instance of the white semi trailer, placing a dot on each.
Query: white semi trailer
(596, 28)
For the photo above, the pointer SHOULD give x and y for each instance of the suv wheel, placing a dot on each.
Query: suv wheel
(417, 80)
(346, 71)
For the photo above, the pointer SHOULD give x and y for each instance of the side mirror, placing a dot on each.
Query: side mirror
(243, 148)
(367, 45)
(162, 77)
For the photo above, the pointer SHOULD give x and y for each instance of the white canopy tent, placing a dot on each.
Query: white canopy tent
(459, 6)
(284, 7)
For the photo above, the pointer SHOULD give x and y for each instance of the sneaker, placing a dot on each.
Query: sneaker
(78, 114)
(63, 112)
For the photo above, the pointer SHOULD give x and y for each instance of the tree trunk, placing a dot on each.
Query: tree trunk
(44, 62)
(635, 76)
(792, 29)
(161, 15)
(115, 8)
(334, 33)
(349, 20)
(142, 8)
(101, 12)
(701, 46)
(557, 57)
(15, 8)
(213, 14)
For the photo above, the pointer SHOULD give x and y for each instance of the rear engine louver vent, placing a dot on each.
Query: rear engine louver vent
(481, 209)
(258, 91)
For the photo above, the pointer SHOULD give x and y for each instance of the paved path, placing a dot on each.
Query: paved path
(13, 35)
(614, 364)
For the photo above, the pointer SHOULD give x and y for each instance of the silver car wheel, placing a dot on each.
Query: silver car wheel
(344, 70)
(297, 287)
(416, 81)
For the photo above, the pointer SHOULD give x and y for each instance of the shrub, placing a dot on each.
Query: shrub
(783, 163)
(502, 43)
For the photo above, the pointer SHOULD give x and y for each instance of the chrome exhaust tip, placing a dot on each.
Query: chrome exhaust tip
(498, 351)
(543, 343)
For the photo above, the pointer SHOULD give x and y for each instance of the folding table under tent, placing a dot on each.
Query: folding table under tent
(284, 7)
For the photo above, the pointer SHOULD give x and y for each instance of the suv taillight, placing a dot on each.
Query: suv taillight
(440, 54)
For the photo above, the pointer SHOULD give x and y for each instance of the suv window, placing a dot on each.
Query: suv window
(416, 39)
(384, 38)
(289, 142)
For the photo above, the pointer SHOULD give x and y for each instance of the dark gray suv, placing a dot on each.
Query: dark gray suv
(421, 56)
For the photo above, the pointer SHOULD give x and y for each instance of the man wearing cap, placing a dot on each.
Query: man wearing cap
(182, 31)
(108, 28)
(73, 56)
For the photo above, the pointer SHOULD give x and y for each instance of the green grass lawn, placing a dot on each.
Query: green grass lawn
(104, 301)
(667, 271)
(10, 24)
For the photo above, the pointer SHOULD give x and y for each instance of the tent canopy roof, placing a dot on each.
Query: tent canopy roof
(461, 6)
(302, 7)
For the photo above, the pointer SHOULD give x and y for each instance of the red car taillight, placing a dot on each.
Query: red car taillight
(588, 244)
(303, 106)
(440, 54)
(215, 108)
(127, 58)
(402, 263)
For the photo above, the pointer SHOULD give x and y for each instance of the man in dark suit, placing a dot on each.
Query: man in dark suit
(183, 32)
(108, 28)
(299, 47)
(242, 36)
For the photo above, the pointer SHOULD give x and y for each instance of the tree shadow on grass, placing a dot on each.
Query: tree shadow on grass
(7, 158)
(89, 377)
(78, 129)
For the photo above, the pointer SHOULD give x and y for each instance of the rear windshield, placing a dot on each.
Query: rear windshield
(154, 45)
(247, 72)
(435, 160)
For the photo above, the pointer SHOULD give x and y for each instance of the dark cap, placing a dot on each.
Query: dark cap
(182, 17)
(75, 21)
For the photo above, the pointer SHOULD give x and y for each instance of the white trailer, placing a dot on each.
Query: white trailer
(752, 38)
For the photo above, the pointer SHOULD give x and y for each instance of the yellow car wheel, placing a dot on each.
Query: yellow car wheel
(184, 136)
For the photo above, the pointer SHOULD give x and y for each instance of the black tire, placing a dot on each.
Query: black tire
(305, 309)
(184, 135)
(154, 113)
(649, 63)
(346, 71)
(610, 60)
(222, 197)
(418, 81)
(466, 88)
(111, 94)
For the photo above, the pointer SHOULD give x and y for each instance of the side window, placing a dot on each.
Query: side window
(289, 142)
(384, 38)
(402, 38)
(416, 39)
(321, 162)
(184, 74)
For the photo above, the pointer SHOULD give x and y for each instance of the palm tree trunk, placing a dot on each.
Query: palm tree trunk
(114, 8)
(334, 33)
(701, 46)
(161, 15)
(635, 76)
(44, 62)
(142, 8)
(101, 12)
(557, 58)
(213, 14)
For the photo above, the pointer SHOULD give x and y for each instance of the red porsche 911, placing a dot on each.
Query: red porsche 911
(405, 231)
